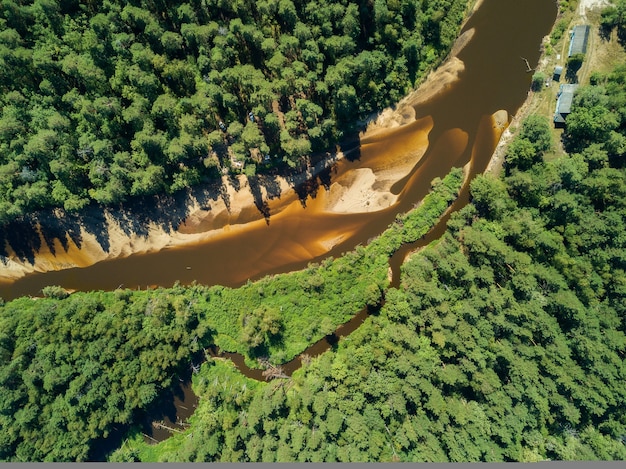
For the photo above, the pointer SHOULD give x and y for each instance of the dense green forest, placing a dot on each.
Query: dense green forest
(505, 341)
(106, 100)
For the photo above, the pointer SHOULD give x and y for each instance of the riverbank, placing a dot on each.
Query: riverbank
(239, 201)
(542, 101)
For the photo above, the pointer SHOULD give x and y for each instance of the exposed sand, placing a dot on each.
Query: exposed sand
(587, 5)
(356, 191)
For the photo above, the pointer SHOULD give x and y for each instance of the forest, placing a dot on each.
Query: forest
(105, 101)
(504, 341)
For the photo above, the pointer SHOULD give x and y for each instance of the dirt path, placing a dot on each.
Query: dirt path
(587, 5)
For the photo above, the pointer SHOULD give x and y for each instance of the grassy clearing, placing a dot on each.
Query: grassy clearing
(601, 54)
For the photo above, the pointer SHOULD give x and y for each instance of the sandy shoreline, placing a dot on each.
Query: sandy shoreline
(357, 191)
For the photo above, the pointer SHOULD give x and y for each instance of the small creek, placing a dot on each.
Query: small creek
(494, 78)
(185, 401)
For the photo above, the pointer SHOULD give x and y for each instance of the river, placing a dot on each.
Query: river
(494, 78)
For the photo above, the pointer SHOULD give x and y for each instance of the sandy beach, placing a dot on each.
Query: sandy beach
(360, 190)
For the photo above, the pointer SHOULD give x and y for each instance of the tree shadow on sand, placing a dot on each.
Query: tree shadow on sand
(26, 237)
(351, 150)
(270, 183)
(22, 236)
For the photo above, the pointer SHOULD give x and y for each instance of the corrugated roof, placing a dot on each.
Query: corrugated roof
(564, 103)
(578, 40)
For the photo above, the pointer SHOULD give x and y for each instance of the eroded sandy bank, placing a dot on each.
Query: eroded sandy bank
(361, 190)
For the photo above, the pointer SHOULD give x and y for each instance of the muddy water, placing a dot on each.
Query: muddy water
(493, 78)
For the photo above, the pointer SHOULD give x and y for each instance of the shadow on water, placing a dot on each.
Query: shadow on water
(351, 149)
(175, 407)
(166, 415)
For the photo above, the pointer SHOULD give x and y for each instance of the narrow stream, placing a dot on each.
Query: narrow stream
(506, 32)
(185, 400)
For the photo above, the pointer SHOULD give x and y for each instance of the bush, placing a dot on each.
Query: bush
(557, 32)
(56, 292)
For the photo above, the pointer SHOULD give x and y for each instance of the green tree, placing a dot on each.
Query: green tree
(260, 326)
(587, 125)
(536, 129)
(521, 154)
(538, 80)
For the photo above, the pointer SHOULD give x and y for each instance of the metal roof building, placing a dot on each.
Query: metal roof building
(564, 104)
(578, 40)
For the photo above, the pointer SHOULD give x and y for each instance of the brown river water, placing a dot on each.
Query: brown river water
(494, 78)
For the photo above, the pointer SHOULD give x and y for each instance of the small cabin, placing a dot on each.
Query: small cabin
(558, 71)
(578, 40)
(564, 104)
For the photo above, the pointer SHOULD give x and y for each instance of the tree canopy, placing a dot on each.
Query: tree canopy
(105, 101)
(505, 340)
